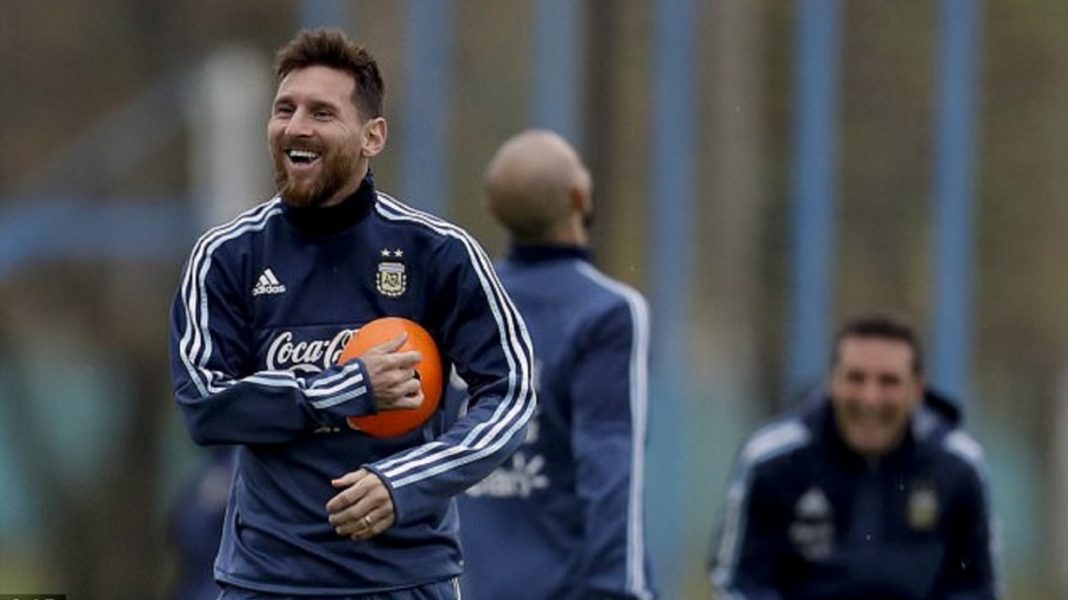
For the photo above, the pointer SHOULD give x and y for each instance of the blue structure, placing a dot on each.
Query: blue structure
(323, 13)
(954, 265)
(428, 104)
(816, 161)
(671, 214)
(558, 57)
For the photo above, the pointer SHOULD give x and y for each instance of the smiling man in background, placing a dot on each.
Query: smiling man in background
(872, 492)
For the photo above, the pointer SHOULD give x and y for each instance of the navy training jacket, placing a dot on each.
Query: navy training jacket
(563, 518)
(807, 518)
(266, 304)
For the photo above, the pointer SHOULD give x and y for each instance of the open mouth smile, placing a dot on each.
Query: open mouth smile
(302, 158)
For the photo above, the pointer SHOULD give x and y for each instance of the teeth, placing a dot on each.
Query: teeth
(302, 155)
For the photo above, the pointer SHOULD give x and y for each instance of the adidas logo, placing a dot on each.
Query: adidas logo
(268, 284)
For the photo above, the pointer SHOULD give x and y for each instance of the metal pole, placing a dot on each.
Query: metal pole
(323, 13)
(815, 156)
(954, 270)
(558, 59)
(671, 205)
(428, 103)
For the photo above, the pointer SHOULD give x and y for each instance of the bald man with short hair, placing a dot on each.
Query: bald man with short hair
(539, 190)
(563, 519)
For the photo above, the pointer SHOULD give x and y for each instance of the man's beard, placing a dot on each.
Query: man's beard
(337, 167)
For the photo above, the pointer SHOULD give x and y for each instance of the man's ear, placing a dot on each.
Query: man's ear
(580, 194)
(375, 132)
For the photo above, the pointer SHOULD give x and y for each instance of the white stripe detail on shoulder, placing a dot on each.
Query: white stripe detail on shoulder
(195, 344)
(516, 405)
(639, 403)
(769, 442)
(773, 440)
(963, 445)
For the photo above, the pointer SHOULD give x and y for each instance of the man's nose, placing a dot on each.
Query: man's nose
(300, 124)
(869, 392)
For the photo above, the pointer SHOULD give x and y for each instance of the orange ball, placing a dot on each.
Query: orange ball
(391, 423)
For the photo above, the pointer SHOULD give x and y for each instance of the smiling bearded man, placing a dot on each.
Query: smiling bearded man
(318, 136)
(318, 509)
(871, 491)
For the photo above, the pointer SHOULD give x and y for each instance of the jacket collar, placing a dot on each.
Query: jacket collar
(323, 221)
(544, 253)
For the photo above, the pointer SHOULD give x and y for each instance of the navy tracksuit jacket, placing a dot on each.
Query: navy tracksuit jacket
(806, 518)
(562, 519)
(265, 306)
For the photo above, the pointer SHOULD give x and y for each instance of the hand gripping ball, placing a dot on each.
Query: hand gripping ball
(391, 423)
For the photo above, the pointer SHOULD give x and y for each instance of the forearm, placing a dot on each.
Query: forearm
(270, 407)
(422, 478)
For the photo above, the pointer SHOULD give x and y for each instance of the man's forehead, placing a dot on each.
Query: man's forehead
(317, 80)
(880, 351)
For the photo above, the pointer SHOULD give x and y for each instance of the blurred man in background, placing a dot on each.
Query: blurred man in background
(872, 492)
(266, 304)
(563, 519)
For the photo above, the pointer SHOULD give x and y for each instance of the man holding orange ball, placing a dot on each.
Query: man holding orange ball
(266, 305)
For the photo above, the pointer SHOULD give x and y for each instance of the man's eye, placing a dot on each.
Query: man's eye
(323, 114)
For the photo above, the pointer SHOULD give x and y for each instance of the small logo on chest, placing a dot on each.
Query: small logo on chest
(812, 530)
(923, 508)
(268, 284)
(391, 280)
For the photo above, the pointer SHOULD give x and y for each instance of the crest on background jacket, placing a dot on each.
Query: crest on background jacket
(391, 279)
(922, 508)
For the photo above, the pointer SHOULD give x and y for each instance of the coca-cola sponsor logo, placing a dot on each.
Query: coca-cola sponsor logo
(310, 356)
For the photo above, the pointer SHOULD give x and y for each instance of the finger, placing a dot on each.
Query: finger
(349, 478)
(406, 396)
(401, 360)
(380, 520)
(349, 496)
(357, 525)
(374, 507)
(368, 494)
(349, 520)
(395, 378)
(411, 400)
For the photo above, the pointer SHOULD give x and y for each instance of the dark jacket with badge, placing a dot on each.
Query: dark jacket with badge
(266, 304)
(808, 518)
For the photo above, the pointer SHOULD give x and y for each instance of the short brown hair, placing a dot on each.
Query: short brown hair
(330, 47)
(882, 324)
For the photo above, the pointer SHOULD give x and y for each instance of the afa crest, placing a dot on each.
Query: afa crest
(923, 508)
(391, 279)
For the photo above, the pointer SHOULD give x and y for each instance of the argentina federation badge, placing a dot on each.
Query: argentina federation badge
(922, 508)
(391, 279)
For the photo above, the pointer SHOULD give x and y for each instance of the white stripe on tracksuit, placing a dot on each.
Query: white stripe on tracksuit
(195, 347)
(515, 407)
(771, 441)
(639, 399)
